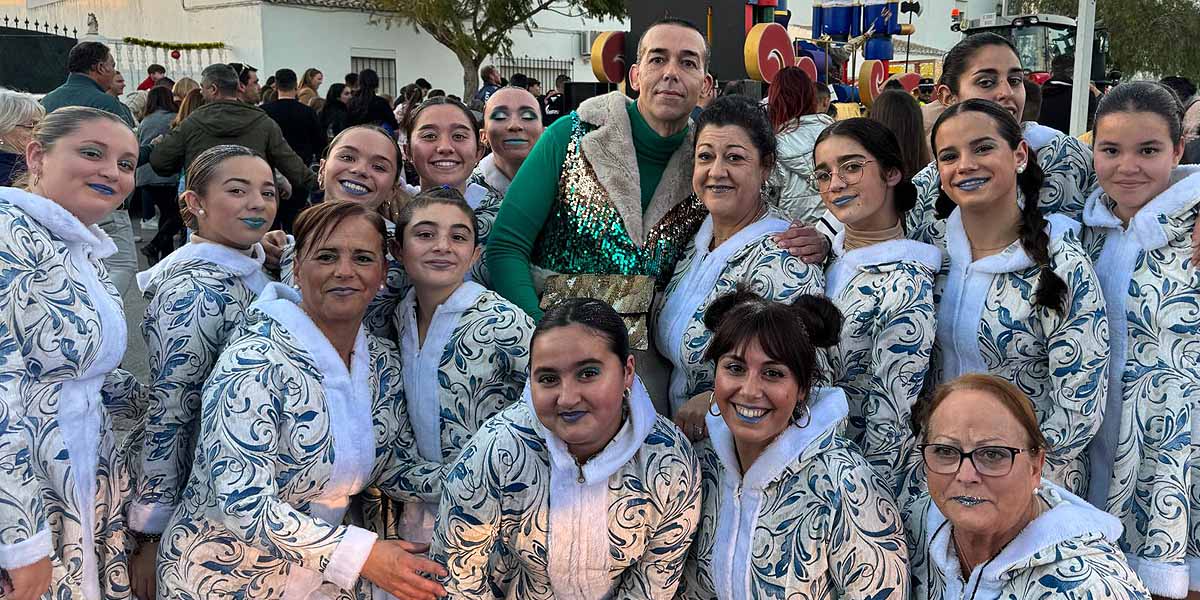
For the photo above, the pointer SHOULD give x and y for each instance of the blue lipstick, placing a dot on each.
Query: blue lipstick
(103, 189)
(254, 222)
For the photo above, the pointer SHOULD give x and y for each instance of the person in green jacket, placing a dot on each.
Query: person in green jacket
(92, 70)
(226, 120)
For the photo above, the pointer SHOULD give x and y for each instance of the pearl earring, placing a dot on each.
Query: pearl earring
(200, 212)
(1020, 168)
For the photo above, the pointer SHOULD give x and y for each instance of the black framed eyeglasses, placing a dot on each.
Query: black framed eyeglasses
(989, 461)
(850, 172)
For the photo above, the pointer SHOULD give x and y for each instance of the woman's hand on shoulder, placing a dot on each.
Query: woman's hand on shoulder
(273, 243)
(394, 566)
(804, 241)
(690, 417)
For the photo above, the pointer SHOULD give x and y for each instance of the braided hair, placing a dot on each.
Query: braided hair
(1051, 291)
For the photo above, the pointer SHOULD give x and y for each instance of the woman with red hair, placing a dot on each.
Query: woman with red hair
(792, 103)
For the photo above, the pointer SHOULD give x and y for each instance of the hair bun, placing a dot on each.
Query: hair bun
(717, 311)
(821, 318)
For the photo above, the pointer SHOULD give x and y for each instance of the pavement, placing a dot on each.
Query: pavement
(135, 360)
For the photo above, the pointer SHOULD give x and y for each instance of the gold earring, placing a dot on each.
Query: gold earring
(712, 403)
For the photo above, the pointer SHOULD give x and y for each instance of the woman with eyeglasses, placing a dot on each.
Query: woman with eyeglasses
(883, 283)
(990, 526)
(19, 113)
(1019, 297)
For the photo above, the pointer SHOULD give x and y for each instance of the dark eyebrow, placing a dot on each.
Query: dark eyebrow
(238, 180)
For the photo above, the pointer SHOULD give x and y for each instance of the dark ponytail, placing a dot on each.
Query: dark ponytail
(1051, 292)
(790, 334)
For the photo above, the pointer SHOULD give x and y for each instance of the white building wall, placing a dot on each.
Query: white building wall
(238, 24)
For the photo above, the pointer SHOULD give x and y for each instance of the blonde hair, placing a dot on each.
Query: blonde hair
(62, 123)
(183, 87)
(201, 171)
(18, 108)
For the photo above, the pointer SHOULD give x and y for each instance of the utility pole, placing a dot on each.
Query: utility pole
(1085, 32)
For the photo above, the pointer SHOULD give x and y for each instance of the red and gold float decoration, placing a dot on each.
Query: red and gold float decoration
(608, 57)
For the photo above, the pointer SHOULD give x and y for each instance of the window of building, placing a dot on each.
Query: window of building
(384, 67)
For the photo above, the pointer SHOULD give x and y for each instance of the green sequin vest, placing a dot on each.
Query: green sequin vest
(585, 234)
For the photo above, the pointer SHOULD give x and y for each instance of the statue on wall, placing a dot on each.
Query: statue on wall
(93, 24)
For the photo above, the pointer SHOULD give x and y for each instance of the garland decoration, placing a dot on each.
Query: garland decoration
(173, 45)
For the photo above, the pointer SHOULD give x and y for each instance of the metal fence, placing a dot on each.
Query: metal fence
(541, 69)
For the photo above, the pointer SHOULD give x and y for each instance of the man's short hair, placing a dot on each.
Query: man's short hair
(821, 89)
(520, 80)
(423, 84)
(676, 21)
(156, 68)
(562, 79)
(286, 80)
(221, 75)
(85, 56)
(486, 72)
(243, 71)
(351, 79)
(1182, 86)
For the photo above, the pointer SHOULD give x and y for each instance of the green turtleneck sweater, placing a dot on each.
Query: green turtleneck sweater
(531, 197)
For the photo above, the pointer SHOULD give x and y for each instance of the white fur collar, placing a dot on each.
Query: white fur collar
(492, 175)
(827, 408)
(282, 303)
(610, 152)
(475, 194)
(623, 446)
(248, 268)
(892, 251)
(1147, 225)
(60, 222)
(462, 299)
(1013, 258)
(1068, 517)
(1038, 135)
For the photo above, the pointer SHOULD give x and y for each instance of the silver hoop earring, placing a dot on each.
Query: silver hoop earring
(712, 403)
(626, 395)
(807, 416)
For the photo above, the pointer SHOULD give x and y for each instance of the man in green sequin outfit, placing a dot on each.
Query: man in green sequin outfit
(607, 189)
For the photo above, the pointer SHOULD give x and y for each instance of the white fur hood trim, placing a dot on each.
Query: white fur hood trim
(61, 222)
(1146, 225)
(828, 408)
(248, 268)
(1013, 258)
(610, 152)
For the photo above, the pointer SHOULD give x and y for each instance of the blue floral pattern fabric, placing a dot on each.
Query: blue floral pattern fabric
(1146, 464)
(987, 322)
(513, 524)
(62, 333)
(262, 513)
(809, 519)
(1069, 552)
(1066, 162)
(882, 361)
(751, 258)
(196, 302)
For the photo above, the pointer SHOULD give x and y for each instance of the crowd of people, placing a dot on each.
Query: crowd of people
(417, 348)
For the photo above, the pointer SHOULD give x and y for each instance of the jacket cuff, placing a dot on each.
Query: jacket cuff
(150, 518)
(348, 559)
(23, 554)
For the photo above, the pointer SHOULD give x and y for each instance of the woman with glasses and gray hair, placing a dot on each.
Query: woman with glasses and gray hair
(990, 526)
(18, 114)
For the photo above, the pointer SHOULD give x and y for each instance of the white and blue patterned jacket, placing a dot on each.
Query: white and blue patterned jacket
(197, 297)
(473, 364)
(809, 519)
(750, 257)
(62, 333)
(519, 519)
(1069, 552)
(885, 293)
(282, 449)
(987, 322)
(1146, 461)
(1067, 163)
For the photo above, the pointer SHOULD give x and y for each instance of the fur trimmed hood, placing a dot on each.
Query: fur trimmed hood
(610, 153)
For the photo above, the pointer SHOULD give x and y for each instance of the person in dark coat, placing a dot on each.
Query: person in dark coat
(302, 129)
(1056, 96)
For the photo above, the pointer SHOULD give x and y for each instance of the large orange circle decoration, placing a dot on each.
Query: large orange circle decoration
(608, 57)
(870, 81)
(768, 50)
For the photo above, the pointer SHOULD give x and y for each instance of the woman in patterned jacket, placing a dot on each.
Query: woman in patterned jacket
(1019, 297)
(791, 509)
(465, 350)
(882, 283)
(580, 491)
(986, 66)
(303, 410)
(980, 534)
(198, 295)
(62, 531)
(734, 156)
(361, 165)
(1146, 460)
